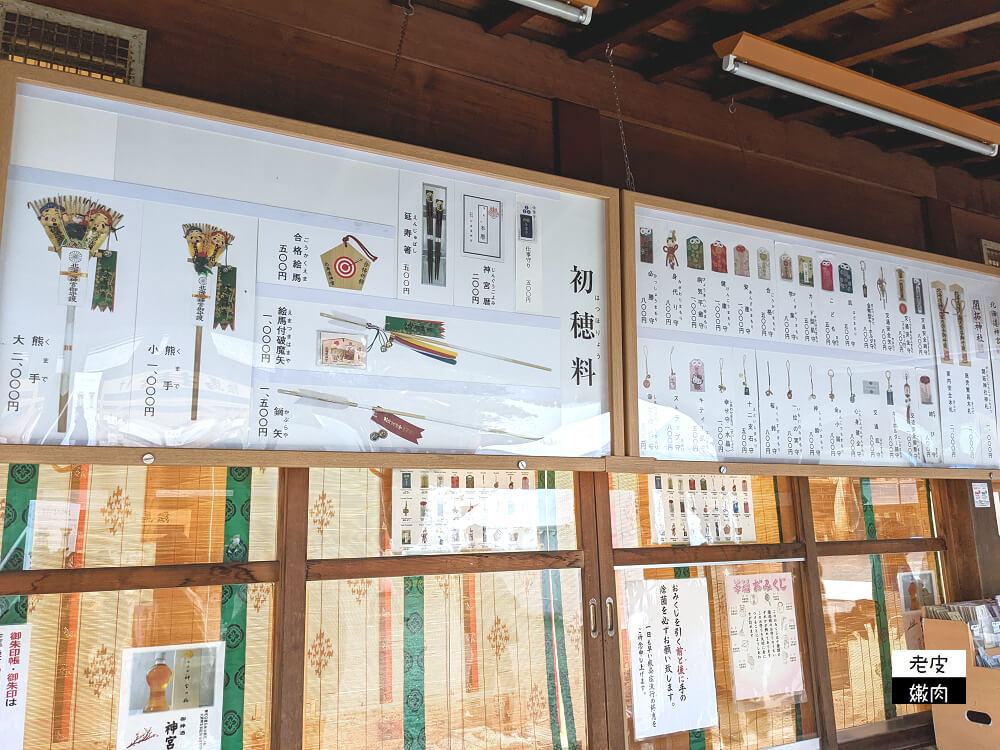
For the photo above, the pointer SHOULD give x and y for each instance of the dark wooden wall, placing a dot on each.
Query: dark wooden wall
(510, 100)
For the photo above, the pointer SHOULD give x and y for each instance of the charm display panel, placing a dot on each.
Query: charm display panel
(234, 288)
(826, 354)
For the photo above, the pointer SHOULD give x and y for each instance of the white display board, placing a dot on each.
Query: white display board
(761, 346)
(167, 280)
(701, 509)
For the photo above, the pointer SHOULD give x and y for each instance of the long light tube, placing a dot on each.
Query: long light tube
(560, 9)
(731, 65)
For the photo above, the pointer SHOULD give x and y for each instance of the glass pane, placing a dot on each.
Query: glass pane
(82, 516)
(484, 660)
(374, 513)
(78, 667)
(866, 622)
(847, 509)
(650, 510)
(760, 704)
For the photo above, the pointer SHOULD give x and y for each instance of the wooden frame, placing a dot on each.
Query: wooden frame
(13, 74)
(636, 463)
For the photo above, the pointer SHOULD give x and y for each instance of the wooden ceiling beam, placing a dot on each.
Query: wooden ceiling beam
(625, 24)
(944, 68)
(928, 22)
(504, 18)
(774, 23)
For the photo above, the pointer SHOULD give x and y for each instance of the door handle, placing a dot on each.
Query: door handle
(609, 615)
(593, 618)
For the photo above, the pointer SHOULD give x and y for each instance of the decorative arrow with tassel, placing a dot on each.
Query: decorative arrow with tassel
(392, 419)
(422, 336)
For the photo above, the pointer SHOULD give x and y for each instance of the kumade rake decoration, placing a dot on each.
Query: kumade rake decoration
(206, 245)
(78, 229)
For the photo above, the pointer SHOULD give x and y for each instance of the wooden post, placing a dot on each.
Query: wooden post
(288, 646)
(577, 141)
(815, 626)
(939, 227)
(593, 646)
(987, 533)
(952, 501)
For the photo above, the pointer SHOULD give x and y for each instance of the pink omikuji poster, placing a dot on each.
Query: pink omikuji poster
(763, 635)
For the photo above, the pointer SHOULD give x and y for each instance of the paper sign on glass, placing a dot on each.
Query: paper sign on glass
(171, 697)
(763, 636)
(15, 643)
(673, 674)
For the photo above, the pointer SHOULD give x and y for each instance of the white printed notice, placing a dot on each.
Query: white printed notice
(171, 697)
(14, 645)
(763, 636)
(673, 674)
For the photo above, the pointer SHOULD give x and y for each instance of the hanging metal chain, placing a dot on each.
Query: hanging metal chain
(609, 52)
(407, 12)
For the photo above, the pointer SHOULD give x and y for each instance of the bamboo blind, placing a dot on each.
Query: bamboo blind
(89, 516)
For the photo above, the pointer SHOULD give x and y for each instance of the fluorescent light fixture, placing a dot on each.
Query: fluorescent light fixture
(737, 67)
(560, 9)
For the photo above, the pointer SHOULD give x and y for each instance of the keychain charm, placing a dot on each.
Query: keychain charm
(846, 279)
(786, 267)
(826, 275)
(788, 369)
(646, 383)
(830, 374)
(918, 296)
(850, 380)
(722, 385)
(673, 375)
(697, 375)
(812, 388)
(695, 253)
(763, 264)
(864, 281)
(768, 392)
(888, 388)
(743, 376)
(880, 284)
(720, 263)
(671, 249)
(906, 394)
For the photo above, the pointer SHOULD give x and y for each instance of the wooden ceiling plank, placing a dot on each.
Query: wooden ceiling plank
(969, 61)
(505, 18)
(774, 23)
(626, 24)
(929, 22)
(932, 20)
(846, 82)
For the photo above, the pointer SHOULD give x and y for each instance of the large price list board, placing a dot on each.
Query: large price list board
(762, 346)
(168, 280)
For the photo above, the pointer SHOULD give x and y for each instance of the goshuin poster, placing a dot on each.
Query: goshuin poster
(171, 697)
(15, 644)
